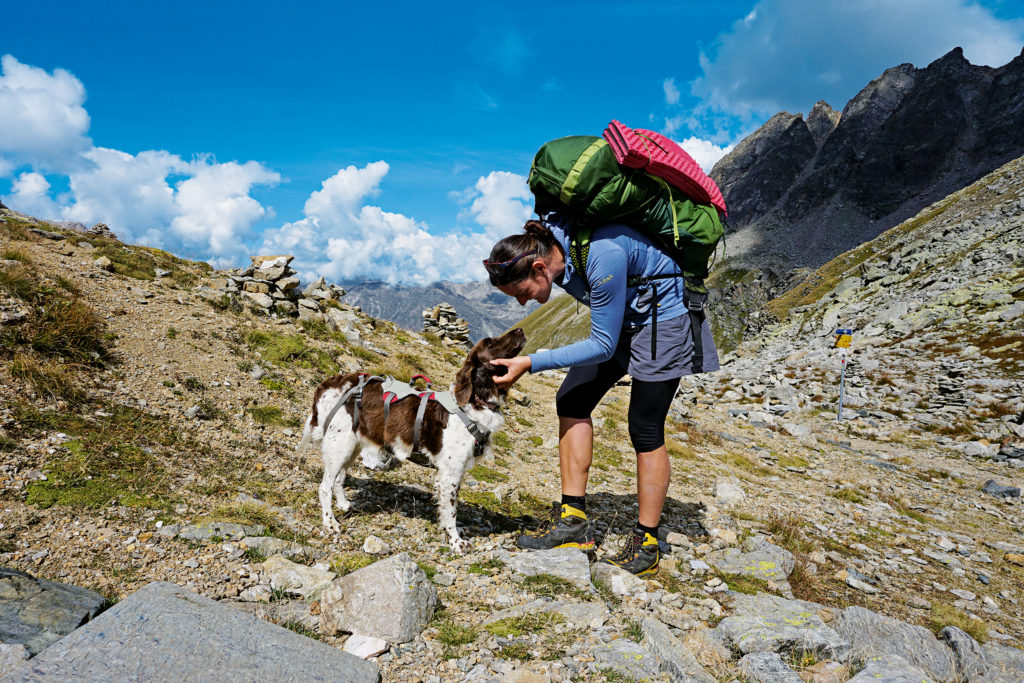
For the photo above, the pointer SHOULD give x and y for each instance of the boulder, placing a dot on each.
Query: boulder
(889, 668)
(767, 667)
(617, 580)
(728, 491)
(391, 599)
(627, 658)
(674, 658)
(565, 563)
(767, 623)
(294, 578)
(36, 612)
(103, 263)
(756, 558)
(874, 635)
(579, 615)
(166, 633)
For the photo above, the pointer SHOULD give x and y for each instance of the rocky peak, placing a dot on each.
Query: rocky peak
(759, 171)
(821, 121)
(907, 139)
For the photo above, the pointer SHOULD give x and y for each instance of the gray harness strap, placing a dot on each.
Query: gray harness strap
(400, 391)
(420, 412)
(357, 392)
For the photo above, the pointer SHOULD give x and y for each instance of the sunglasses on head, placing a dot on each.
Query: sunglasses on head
(506, 264)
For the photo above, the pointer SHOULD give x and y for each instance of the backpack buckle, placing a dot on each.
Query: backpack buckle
(695, 301)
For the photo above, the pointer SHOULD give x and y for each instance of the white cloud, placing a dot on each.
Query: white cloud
(30, 194)
(342, 237)
(704, 152)
(503, 203)
(42, 121)
(787, 54)
(671, 91)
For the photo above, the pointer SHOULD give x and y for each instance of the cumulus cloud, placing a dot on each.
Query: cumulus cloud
(30, 193)
(199, 207)
(42, 121)
(343, 237)
(787, 54)
(704, 152)
(502, 203)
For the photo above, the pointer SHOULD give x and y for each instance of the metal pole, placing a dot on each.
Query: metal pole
(842, 383)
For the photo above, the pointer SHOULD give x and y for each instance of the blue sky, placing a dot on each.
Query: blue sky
(391, 140)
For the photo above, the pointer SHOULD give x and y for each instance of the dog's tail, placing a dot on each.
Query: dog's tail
(307, 435)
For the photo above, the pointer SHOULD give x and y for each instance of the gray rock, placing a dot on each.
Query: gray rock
(104, 263)
(11, 656)
(889, 668)
(565, 563)
(1012, 312)
(673, 657)
(616, 579)
(268, 545)
(36, 612)
(994, 488)
(976, 449)
(1005, 664)
(728, 491)
(767, 623)
(260, 299)
(627, 658)
(279, 611)
(767, 667)
(166, 633)
(391, 599)
(873, 635)
(971, 661)
(294, 578)
(756, 558)
(202, 532)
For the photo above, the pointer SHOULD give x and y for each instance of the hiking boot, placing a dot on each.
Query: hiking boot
(568, 528)
(639, 556)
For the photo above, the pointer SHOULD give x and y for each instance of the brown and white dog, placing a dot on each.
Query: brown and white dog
(444, 439)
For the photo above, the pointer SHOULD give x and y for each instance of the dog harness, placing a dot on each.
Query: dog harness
(394, 390)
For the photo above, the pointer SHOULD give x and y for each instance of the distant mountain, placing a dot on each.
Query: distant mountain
(801, 191)
(488, 311)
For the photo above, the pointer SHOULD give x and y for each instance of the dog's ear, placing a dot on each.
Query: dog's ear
(464, 378)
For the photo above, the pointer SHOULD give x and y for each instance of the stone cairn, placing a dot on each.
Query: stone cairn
(442, 321)
(271, 286)
(951, 386)
(101, 230)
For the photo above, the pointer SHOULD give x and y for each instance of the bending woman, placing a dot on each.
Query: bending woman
(640, 325)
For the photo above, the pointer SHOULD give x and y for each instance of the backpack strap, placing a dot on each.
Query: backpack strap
(579, 252)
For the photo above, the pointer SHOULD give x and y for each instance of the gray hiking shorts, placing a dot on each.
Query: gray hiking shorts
(665, 350)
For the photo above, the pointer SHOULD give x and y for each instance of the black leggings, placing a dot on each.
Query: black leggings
(649, 402)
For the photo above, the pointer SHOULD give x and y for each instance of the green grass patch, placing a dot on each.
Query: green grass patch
(514, 627)
(553, 586)
(850, 494)
(49, 379)
(453, 636)
(485, 567)
(286, 350)
(300, 628)
(272, 415)
(745, 584)
(484, 473)
(349, 562)
(943, 614)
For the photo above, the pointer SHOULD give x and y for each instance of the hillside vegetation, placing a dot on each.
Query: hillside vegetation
(130, 404)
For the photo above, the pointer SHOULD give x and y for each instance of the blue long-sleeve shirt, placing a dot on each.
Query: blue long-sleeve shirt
(616, 253)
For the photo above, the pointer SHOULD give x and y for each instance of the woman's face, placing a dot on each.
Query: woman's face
(537, 287)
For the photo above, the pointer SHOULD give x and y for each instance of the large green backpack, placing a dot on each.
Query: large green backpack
(579, 177)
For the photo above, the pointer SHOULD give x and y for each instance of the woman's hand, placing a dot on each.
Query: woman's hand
(516, 367)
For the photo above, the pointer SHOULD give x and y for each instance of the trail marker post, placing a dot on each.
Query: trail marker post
(843, 342)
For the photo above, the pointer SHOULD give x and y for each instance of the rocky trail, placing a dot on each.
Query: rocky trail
(153, 439)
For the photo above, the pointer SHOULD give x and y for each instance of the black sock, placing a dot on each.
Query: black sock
(652, 530)
(578, 502)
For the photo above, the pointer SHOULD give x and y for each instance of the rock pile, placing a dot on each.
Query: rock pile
(101, 230)
(271, 286)
(951, 385)
(443, 322)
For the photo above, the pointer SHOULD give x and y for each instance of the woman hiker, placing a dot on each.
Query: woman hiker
(643, 329)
